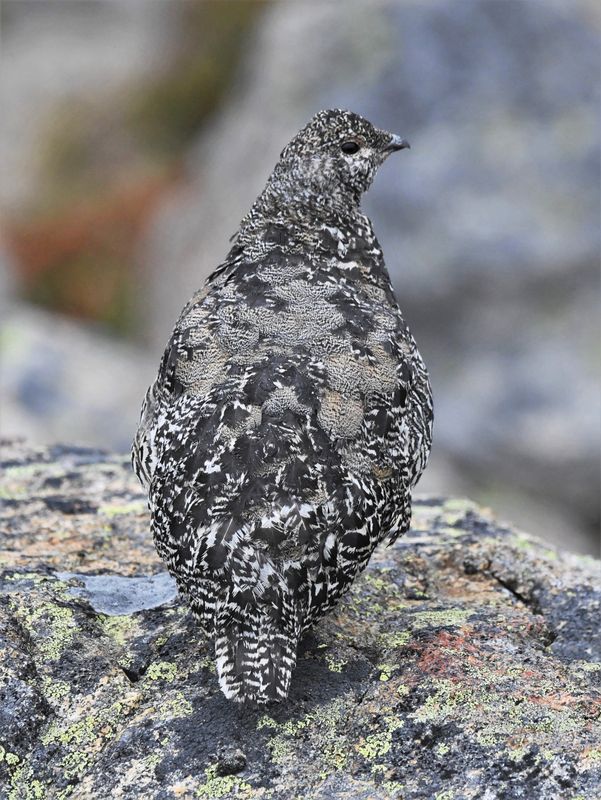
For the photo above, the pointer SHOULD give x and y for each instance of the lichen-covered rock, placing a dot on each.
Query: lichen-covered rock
(490, 225)
(465, 663)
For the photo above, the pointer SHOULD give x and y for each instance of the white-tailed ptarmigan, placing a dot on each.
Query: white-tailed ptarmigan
(291, 415)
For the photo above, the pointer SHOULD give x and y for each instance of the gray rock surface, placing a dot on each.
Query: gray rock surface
(115, 595)
(62, 377)
(465, 663)
(489, 225)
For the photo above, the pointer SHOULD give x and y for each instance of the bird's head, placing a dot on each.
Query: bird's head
(332, 160)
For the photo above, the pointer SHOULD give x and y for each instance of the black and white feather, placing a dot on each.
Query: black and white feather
(291, 414)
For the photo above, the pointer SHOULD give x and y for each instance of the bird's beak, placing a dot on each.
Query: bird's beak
(396, 143)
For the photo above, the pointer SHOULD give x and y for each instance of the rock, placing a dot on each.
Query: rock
(116, 596)
(465, 662)
(56, 58)
(489, 225)
(63, 378)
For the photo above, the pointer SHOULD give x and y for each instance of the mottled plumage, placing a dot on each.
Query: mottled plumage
(291, 414)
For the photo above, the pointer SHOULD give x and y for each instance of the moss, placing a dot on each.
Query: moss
(166, 112)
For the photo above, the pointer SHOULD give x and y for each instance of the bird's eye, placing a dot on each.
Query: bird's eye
(349, 147)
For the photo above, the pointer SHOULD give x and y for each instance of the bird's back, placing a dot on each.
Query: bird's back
(290, 418)
(292, 412)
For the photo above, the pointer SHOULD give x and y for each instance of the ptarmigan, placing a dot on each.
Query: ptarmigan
(291, 415)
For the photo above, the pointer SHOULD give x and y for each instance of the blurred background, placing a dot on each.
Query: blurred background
(134, 135)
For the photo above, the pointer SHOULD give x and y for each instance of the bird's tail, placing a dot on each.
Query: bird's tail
(255, 650)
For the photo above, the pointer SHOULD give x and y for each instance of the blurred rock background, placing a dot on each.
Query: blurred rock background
(135, 134)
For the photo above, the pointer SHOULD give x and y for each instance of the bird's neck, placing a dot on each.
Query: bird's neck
(287, 200)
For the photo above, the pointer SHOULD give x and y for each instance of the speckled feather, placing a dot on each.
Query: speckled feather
(291, 414)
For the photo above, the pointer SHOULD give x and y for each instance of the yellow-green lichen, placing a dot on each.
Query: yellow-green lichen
(24, 786)
(391, 641)
(379, 584)
(216, 786)
(150, 761)
(162, 671)
(586, 666)
(50, 626)
(119, 628)
(378, 744)
(386, 671)
(334, 664)
(175, 707)
(523, 541)
(266, 722)
(207, 662)
(137, 507)
(591, 758)
(34, 577)
(326, 727)
(54, 689)
(444, 617)
(448, 699)
(455, 510)
(392, 788)
(9, 758)
(82, 738)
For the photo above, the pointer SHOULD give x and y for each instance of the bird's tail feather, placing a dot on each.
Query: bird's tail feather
(255, 650)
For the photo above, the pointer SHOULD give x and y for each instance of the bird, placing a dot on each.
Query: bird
(291, 415)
